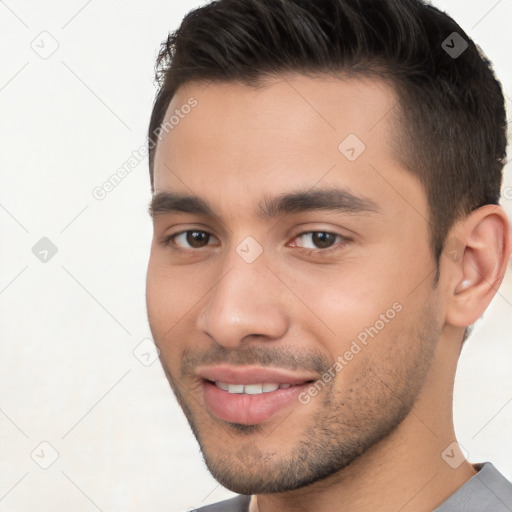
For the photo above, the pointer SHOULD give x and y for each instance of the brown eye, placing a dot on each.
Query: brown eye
(323, 240)
(319, 239)
(188, 240)
(197, 239)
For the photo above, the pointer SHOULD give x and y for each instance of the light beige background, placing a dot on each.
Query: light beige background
(72, 373)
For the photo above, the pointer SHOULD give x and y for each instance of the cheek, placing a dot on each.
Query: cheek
(345, 299)
(385, 362)
(163, 311)
(173, 298)
(359, 310)
(164, 307)
(170, 290)
(158, 300)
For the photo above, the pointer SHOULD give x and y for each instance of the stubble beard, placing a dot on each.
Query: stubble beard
(344, 426)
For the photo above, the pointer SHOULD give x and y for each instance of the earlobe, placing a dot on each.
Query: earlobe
(475, 276)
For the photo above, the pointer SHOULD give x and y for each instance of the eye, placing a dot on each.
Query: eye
(186, 240)
(309, 241)
(319, 240)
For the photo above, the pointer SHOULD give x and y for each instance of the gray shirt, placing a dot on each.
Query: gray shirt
(487, 491)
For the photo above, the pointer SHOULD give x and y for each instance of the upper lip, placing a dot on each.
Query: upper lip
(247, 374)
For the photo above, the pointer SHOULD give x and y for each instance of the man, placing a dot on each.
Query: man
(326, 177)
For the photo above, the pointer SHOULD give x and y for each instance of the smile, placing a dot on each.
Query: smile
(252, 389)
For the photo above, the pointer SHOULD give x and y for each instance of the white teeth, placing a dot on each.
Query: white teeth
(251, 389)
(236, 388)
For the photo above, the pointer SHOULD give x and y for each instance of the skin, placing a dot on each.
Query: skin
(383, 422)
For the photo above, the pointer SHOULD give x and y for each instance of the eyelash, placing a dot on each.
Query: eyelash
(169, 242)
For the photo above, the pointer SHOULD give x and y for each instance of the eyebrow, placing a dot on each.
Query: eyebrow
(331, 199)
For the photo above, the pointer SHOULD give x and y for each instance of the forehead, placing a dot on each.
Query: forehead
(291, 132)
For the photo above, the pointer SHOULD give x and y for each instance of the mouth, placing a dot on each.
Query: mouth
(252, 389)
(251, 395)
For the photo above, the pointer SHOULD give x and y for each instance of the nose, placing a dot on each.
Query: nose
(247, 303)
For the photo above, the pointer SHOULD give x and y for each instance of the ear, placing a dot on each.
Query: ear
(477, 253)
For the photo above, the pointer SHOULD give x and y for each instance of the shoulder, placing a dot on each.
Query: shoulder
(487, 491)
(239, 503)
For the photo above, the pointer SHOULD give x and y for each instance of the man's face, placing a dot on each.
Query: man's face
(327, 296)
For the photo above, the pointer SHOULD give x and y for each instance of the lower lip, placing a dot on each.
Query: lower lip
(249, 409)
